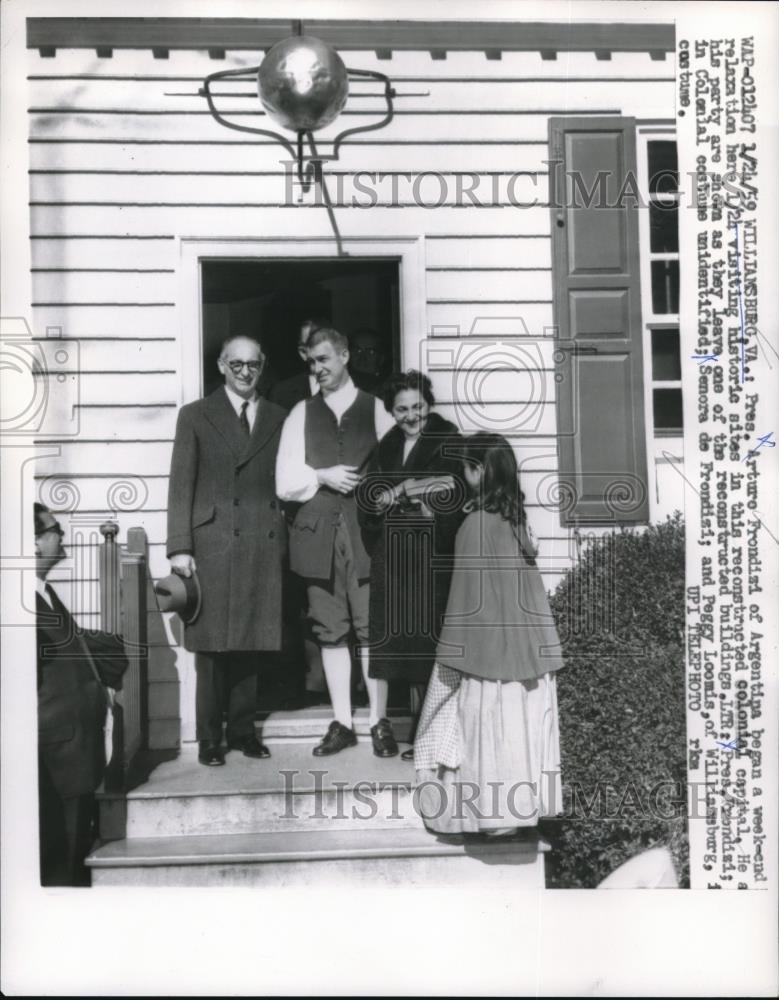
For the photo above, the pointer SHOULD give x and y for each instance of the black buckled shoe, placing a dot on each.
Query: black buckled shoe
(210, 753)
(337, 738)
(250, 746)
(408, 754)
(383, 739)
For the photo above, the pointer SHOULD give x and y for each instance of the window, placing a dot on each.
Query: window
(659, 171)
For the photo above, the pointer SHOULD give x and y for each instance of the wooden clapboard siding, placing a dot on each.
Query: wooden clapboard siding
(498, 286)
(233, 155)
(290, 221)
(470, 252)
(128, 422)
(110, 251)
(277, 187)
(124, 354)
(136, 322)
(536, 317)
(104, 286)
(123, 163)
(203, 128)
(116, 387)
(425, 100)
(102, 494)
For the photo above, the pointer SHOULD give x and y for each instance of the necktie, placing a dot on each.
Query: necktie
(244, 419)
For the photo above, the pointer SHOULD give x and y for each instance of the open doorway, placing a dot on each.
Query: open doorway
(268, 299)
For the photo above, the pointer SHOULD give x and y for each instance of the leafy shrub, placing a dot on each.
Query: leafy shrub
(620, 614)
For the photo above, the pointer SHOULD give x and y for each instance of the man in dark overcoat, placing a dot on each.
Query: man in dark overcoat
(225, 523)
(74, 670)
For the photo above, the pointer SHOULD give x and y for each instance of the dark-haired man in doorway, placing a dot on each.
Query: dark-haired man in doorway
(302, 385)
(324, 447)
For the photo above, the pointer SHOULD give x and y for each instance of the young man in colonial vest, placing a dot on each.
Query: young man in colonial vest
(325, 445)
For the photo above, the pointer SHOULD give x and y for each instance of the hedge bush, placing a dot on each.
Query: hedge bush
(620, 614)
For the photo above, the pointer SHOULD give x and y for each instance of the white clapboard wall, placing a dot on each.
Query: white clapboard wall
(125, 158)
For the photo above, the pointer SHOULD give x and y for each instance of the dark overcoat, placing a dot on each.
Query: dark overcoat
(222, 508)
(411, 556)
(71, 704)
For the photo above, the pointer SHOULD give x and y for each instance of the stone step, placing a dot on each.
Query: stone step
(309, 724)
(366, 858)
(291, 791)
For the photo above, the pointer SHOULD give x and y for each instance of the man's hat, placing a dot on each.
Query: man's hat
(180, 594)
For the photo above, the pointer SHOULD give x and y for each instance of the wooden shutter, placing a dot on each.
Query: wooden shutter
(599, 370)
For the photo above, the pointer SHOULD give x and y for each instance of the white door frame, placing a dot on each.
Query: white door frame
(408, 251)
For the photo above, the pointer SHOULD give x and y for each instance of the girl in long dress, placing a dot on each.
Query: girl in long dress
(487, 746)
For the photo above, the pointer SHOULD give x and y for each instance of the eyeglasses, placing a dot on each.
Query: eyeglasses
(53, 527)
(236, 367)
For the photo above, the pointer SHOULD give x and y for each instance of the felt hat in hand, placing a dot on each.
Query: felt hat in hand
(180, 594)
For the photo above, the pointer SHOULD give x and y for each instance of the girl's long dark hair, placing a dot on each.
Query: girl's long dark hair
(499, 492)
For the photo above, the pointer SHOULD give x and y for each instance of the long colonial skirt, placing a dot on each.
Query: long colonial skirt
(487, 753)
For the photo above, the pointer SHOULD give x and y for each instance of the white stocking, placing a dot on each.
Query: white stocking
(337, 665)
(377, 691)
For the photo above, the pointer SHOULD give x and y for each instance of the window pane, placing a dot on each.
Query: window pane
(665, 286)
(663, 228)
(667, 409)
(663, 167)
(666, 362)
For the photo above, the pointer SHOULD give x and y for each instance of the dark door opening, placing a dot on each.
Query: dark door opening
(268, 300)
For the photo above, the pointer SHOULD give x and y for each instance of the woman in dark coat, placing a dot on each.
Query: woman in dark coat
(410, 507)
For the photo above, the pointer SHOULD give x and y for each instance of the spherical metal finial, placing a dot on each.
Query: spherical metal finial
(303, 83)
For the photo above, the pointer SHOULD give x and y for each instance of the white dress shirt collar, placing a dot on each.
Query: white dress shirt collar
(237, 401)
(342, 398)
(40, 587)
(313, 385)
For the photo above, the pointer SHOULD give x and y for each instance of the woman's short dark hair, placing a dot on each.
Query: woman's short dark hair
(400, 381)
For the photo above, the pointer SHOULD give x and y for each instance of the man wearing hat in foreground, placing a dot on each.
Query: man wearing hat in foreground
(226, 526)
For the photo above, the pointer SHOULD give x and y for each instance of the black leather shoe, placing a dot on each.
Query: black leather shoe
(251, 747)
(210, 753)
(408, 754)
(336, 739)
(384, 744)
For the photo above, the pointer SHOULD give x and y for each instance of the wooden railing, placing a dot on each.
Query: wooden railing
(123, 611)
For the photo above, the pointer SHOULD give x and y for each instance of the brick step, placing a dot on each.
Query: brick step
(291, 791)
(367, 858)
